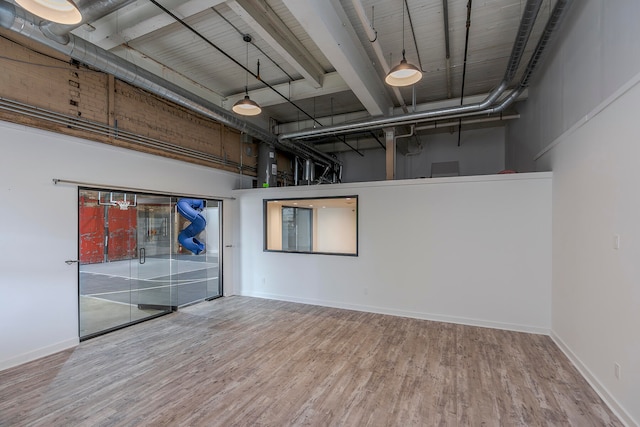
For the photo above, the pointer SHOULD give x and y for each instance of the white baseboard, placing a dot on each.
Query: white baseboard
(602, 391)
(38, 353)
(405, 313)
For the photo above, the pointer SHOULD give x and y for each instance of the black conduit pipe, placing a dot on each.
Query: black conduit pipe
(464, 67)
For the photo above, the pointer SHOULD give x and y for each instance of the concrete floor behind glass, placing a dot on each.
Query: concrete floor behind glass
(120, 292)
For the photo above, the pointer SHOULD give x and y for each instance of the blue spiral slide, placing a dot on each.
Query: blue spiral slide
(190, 209)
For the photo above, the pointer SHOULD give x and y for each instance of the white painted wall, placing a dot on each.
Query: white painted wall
(39, 228)
(481, 152)
(581, 121)
(472, 250)
(356, 168)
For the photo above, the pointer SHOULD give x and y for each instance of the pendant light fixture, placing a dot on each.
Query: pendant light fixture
(403, 74)
(246, 107)
(59, 11)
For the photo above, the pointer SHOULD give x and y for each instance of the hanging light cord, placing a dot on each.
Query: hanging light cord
(466, 50)
(247, 70)
(403, 5)
(253, 44)
(464, 66)
(413, 34)
(235, 61)
(246, 75)
(375, 32)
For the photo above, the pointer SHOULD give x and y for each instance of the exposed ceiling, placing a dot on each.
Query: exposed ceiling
(317, 58)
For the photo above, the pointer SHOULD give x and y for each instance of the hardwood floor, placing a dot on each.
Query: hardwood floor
(241, 361)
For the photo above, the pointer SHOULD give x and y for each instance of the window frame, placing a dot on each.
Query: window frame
(289, 202)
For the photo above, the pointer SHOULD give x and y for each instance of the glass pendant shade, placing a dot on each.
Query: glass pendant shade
(59, 11)
(403, 74)
(246, 107)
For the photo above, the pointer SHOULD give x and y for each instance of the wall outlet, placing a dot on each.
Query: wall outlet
(616, 241)
(616, 370)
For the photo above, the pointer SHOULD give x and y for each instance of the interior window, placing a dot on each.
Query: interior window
(320, 225)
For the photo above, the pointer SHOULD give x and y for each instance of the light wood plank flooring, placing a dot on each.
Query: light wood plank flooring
(241, 361)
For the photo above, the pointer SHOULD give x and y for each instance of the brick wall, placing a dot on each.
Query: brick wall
(34, 75)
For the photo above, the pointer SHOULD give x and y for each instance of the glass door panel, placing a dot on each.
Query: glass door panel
(106, 245)
(197, 237)
(113, 290)
(152, 266)
(213, 211)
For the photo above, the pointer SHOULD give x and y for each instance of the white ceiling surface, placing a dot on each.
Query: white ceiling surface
(316, 53)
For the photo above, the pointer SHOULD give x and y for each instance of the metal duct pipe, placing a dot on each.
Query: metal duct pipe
(305, 151)
(296, 172)
(267, 166)
(524, 31)
(91, 11)
(309, 172)
(441, 125)
(24, 23)
(554, 21)
(557, 16)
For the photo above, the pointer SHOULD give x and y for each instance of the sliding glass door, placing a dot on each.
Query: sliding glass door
(143, 255)
(213, 271)
(116, 285)
(151, 273)
(196, 257)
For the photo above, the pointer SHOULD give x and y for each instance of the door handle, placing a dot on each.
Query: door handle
(71, 261)
(143, 256)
